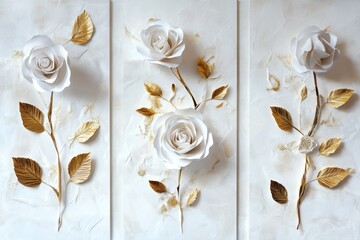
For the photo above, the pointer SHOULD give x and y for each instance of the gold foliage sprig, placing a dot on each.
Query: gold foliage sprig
(28, 171)
(329, 177)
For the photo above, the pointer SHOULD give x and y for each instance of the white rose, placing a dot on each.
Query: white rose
(307, 144)
(314, 50)
(45, 64)
(181, 137)
(162, 44)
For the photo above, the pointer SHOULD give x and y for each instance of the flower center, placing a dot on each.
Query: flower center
(44, 62)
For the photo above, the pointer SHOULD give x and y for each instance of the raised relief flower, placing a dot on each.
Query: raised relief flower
(307, 144)
(181, 137)
(314, 50)
(162, 44)
(45, 64)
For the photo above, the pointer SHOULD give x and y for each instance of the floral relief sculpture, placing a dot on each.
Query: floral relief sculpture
(181, 136)
(313, 50)
(46, 66)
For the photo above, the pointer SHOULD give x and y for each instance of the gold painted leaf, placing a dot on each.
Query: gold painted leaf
(278, 192)
(158, 187)
(192, 197)
(79, 168)
(220, 93)
(329, 146)
(153, 89)
(173, 92)
(148, 112)
(83, 29)
(32, 117)
(303, 93)
(282, 118)
(28, 172)
(330, 177)
(339, 97)
(86, 131)
(220, 105)
(204, 68)
(172, 202)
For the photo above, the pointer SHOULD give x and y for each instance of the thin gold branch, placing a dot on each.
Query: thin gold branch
(317, 111)
(52, 136)
(169, 102)
(177, 74)
(179, 200)
(302, 189)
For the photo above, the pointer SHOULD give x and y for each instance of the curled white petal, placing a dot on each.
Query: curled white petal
(162, 44)
(314, 50)
(307, 144)
(181, 137)
(45, 64)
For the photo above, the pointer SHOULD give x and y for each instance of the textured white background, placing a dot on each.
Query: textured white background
(326, 214)
(28, 213)
(46, 15)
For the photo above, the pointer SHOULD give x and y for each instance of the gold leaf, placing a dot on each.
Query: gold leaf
(172, 202)
(329, 146)
(83, 29)
(330, 177)
(173, 91)
(79, 168)
(157, 186)
(282, 118)
(148, 112)
(28, 172)
(153, 89)
(32, 117)
(339, 97)
(192, 197)
(219, 93)
(220, 105)
(86, 131)
(303, 93)
(278, 192)
(204, 68)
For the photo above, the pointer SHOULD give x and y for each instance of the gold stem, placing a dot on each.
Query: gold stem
(302, 189)
(59, 195)
(317, 111)
(169, 102)
(179, 200)
(178, 76)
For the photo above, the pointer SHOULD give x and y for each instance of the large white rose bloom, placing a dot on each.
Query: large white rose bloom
(162, 44)
(314, 50)
(181, 137)
(45, 64)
